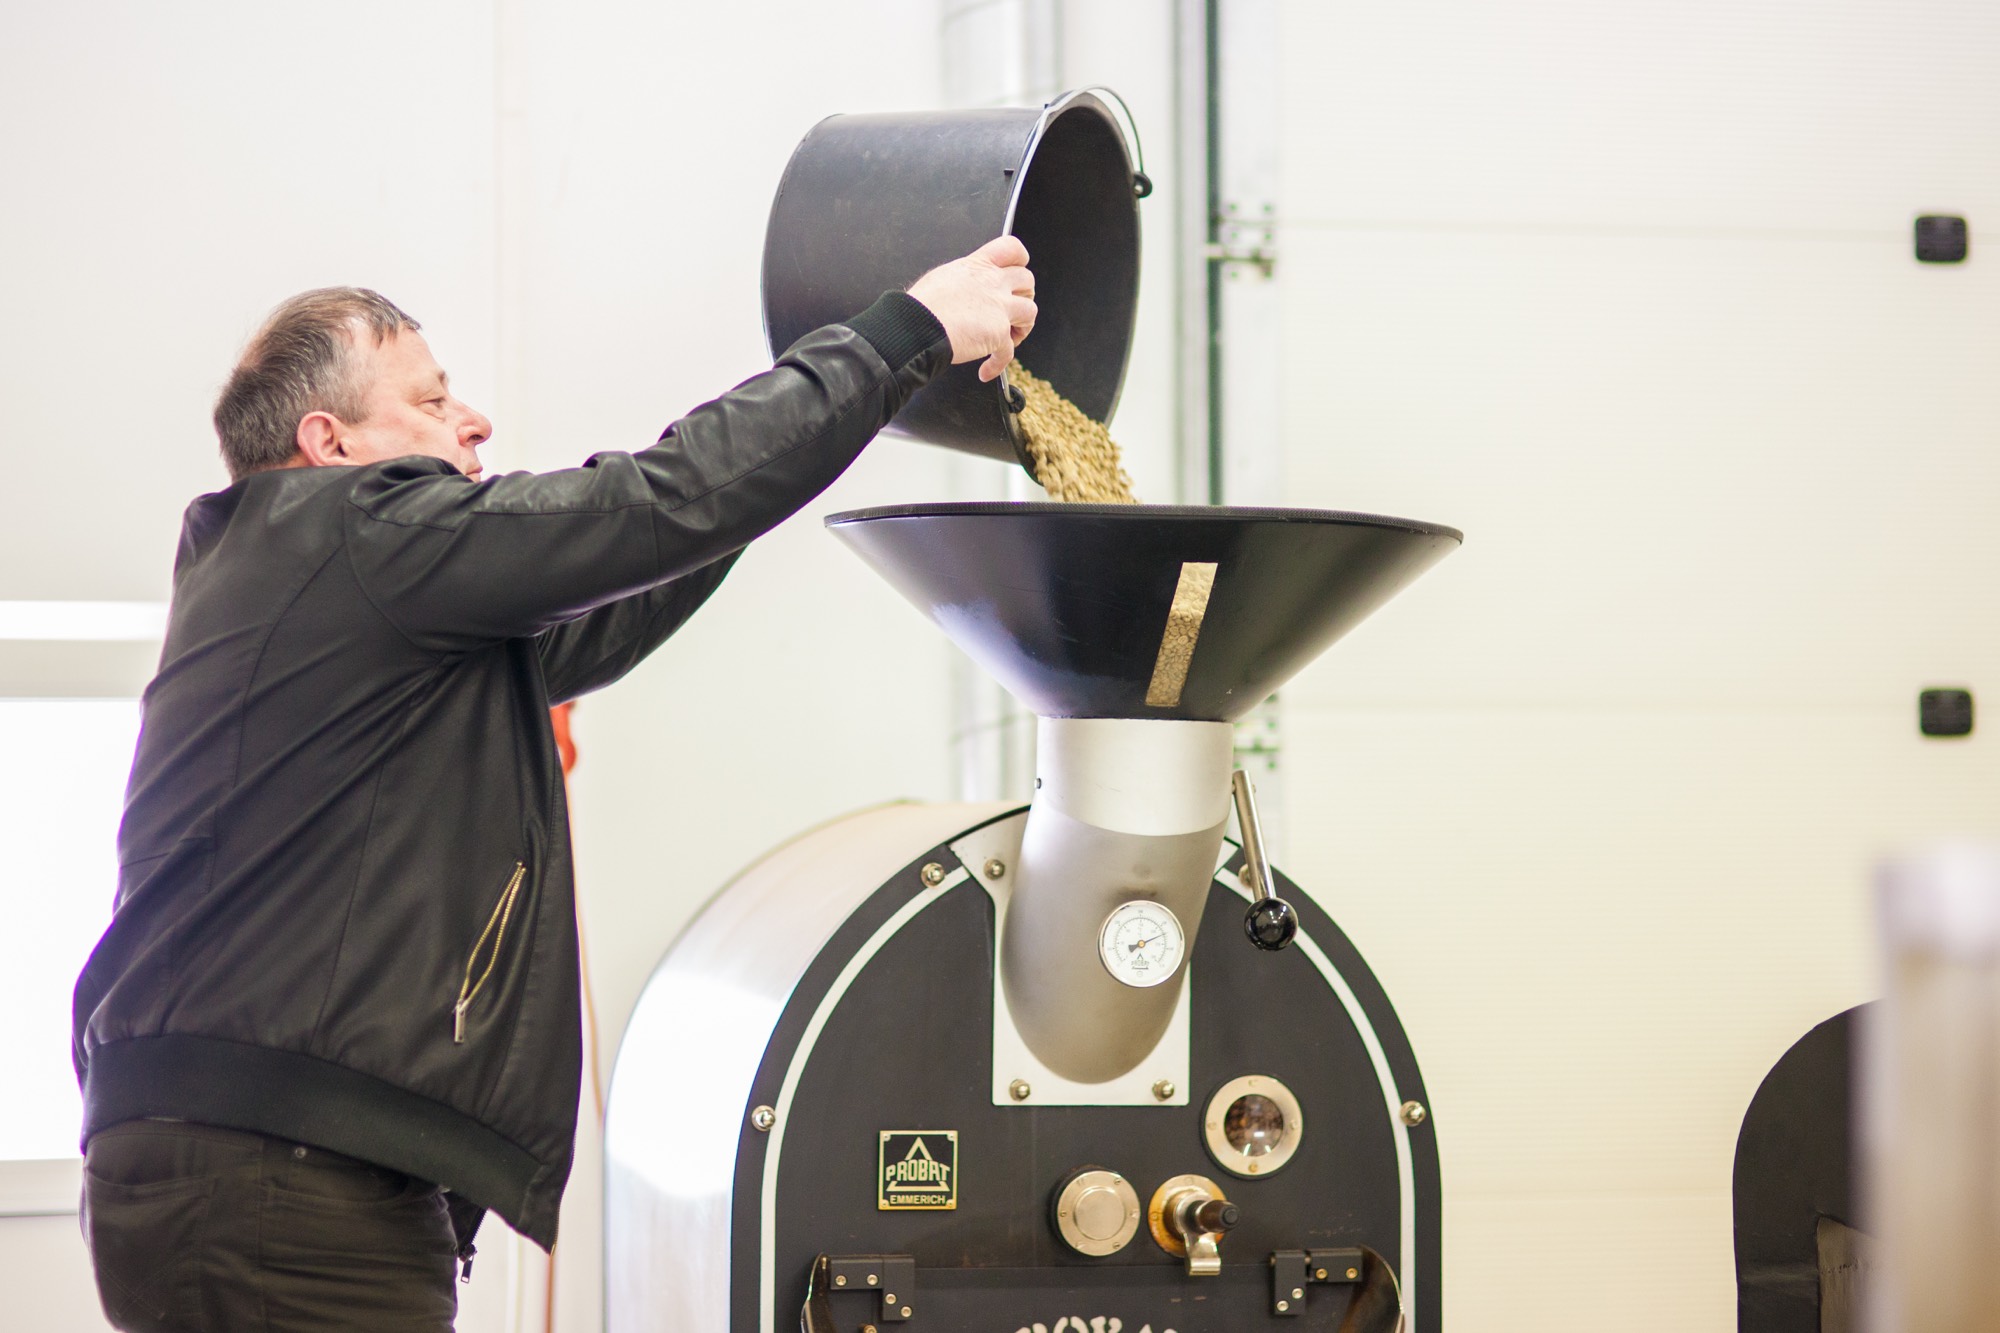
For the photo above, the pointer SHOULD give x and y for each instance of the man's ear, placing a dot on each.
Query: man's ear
(319, 440)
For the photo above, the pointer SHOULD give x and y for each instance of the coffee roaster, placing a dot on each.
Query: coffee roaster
(1084, 1066)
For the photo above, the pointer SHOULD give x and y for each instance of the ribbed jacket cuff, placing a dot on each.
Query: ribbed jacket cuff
(900, 328)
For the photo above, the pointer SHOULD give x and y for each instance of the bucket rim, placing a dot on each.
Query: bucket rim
(1076, 99)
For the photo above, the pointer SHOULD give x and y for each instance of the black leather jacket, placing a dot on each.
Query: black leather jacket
(344, 910)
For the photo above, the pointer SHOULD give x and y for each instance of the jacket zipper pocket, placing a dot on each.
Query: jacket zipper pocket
(496, 928)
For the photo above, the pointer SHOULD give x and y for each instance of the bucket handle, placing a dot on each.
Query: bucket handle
(1142, 184)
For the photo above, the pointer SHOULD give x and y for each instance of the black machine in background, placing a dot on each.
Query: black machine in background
(1803, 1250)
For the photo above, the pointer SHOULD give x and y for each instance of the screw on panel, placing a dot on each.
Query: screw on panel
(1353, 1273)
(995, 868)
(1298, 1293)
(763, 1118)
(933, 873)
(906, 1312)
(1019, 1090)
(1164, 1090)
(872, 1280)
(840, 1279)
(1413, 1113)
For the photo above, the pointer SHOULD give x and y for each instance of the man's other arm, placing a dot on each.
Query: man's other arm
(599, 647)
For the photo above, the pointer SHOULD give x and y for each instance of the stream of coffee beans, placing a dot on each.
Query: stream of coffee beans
(1076, 460)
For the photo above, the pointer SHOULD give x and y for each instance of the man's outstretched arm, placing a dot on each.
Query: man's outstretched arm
(455, 565)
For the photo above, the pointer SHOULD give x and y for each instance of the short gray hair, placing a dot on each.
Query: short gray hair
(300, 361)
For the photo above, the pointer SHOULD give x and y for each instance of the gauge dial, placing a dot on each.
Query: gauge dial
(1141, 943)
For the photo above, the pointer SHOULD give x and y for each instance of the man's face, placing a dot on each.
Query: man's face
(410, 408)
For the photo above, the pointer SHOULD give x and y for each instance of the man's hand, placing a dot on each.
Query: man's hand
(986, 302)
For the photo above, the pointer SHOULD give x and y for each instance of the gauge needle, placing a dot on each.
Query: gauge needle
(1136, 947)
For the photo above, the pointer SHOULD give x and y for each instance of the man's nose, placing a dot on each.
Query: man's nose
(475, 430)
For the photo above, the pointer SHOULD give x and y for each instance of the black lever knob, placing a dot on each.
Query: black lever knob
(1271, 923)
(1217, 1215)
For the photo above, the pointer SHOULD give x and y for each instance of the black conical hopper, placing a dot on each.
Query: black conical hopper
(1067, 605)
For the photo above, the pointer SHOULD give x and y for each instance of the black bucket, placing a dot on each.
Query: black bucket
(870, 203)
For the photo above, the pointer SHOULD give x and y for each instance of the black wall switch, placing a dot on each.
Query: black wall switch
(1941, 240)
(1945, 712)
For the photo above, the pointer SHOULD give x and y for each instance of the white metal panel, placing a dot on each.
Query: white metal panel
(1716, 468)
(1249, 296)
(1601, 1240)
(1601, 929)
(59, 1294)
(41, 1188)
(1824, 115)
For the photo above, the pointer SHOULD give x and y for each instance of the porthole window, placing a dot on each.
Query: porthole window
(1253, 1125)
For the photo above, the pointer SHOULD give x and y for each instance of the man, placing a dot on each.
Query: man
(335, 1016)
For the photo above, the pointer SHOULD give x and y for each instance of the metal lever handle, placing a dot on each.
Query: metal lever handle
(1217, 1215)
(1201, 1222)
(817, 1316)
(1270, 923)
(1189, 1217)
(1378, 1306)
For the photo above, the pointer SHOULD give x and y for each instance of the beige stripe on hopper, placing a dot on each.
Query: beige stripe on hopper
(1170, 669)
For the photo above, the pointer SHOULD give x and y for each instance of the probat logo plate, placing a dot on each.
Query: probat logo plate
(917, 1168)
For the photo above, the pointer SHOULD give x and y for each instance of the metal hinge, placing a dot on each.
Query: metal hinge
(1375, 1304)
(1246, 236)
(890, 1277)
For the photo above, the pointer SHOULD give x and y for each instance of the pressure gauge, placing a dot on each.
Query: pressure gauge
(1141, 943)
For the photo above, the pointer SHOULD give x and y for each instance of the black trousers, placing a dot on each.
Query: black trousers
(196, 1228)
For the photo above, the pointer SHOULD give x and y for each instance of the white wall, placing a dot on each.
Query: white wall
(1627, 293)
(571, 198)
(171, 173)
